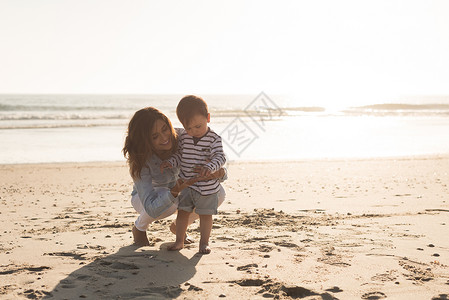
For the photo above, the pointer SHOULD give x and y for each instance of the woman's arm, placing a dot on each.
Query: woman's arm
(154, 200)
(157, 200)
(181, 184)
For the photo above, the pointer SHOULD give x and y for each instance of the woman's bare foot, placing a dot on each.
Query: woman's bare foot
(176, 246)
(187, 240)
(204, 249)
(140, 237)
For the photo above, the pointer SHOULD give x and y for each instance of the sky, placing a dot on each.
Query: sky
(329, 49)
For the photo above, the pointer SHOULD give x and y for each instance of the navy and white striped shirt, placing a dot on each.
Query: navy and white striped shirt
(206, 151)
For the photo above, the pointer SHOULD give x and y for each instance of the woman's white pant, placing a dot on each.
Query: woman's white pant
(143, 221)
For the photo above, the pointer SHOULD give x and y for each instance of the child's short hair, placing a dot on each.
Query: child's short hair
(190, 106)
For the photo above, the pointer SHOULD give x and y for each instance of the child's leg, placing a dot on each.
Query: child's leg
(188, 240)
(194, 216)
(182, 221)
(205, 229)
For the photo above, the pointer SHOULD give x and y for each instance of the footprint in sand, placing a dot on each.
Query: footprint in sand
(299, 292)
(335, 289)
(441, 297)
(36, 294)
(247, 267)
(74, 255)
(249, 282)
(265, 248)
(84, 277)
(271, 288)
(67, 284)
(119, 265)
(374, 296)
(286, 244)
(7, 288)
(21, 269)
(157, 292)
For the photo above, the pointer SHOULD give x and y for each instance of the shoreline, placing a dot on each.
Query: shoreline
(435, 156)
(335, 229)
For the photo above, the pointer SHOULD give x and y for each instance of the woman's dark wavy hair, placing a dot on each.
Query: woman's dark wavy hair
(138, 147)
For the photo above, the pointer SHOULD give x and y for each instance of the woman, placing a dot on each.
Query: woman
(152, 139)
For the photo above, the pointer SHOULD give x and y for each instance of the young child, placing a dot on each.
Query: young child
(200, 154)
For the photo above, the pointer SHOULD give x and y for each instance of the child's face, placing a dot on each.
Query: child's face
(197, 127)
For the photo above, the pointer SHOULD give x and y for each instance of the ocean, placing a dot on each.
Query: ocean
(85, 128)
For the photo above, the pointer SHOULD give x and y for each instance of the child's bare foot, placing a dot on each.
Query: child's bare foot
(140, 237)
(204, 249)
(176, 246)
(187, 240)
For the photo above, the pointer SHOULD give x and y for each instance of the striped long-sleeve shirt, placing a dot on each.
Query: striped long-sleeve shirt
(206, 151)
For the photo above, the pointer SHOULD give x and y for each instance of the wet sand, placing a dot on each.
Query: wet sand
(338, 229)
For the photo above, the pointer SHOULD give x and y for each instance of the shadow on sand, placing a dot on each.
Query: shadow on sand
(131, 273)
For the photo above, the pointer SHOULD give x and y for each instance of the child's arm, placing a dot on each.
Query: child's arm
(218, 158)
(174, 161)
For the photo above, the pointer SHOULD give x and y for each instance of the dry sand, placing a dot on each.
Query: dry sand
(354, 229)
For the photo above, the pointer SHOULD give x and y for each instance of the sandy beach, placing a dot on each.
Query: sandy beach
(335, 229)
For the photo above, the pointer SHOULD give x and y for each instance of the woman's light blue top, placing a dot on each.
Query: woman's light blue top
(153, 187)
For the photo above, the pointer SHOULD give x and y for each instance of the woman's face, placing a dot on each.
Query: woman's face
(161, 136)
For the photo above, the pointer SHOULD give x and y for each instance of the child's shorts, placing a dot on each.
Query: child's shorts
(190, 199)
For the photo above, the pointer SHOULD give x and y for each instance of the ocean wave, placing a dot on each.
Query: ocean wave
(280, 111)
(401, 106)
(399, 109)
(28, 125)
(22, 107)
(35, 116)
(305, 109)
(62, 117)
(94, 114)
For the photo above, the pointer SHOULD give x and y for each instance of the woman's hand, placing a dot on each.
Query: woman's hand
(181, 184)
(204, 171)
(165, 165)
